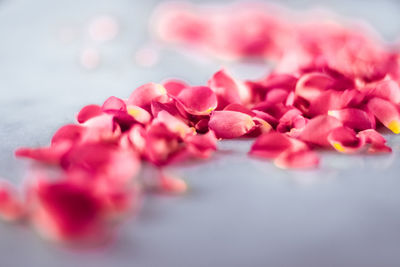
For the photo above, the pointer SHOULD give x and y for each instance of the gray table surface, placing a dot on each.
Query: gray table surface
(240, 211)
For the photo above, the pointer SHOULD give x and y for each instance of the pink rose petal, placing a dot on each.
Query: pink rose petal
(345, 140)
(317, 130)
(198, 100)
(230, 124)
(386, 113)
(88, 112)
(145, 94)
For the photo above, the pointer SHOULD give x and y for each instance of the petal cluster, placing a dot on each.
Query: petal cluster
(333, 88)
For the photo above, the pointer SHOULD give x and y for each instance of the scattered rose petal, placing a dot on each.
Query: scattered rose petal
(199, 100)
(230, 124)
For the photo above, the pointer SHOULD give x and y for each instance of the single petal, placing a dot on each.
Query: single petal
(173, 124)
(88, 112)
(65, 211)
(114, 104)
(228, 89)
(70, 132)
(353, 118)
(331, 100)
(169, 107)
(386, 113)
(376, 140)
(261, 126)
(273, 121)
(240, 108)
(137, 137)
(317, 129)
(311, 85)
(101, 128)
(230, 124)
(199, 100)
(202, 145)
(270, 145)
(386, 89)
(145, 94)
(139, 114)
(11, 206)
(275, 109)
(174, 87)
(345, 140)
(279, 81)
(49, 155)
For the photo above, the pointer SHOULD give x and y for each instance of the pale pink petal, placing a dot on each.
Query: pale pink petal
(101, 128)
(173, 124)
(139, 114)
(230, 124)
(228, 89)
(145, 94)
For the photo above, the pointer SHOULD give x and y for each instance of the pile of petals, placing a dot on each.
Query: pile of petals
(327, 98)
(294, 40)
